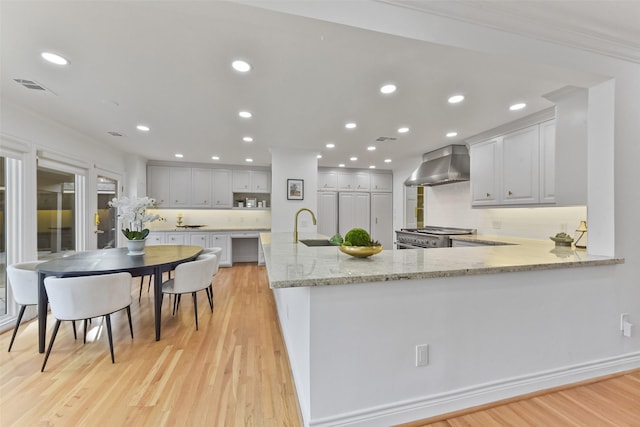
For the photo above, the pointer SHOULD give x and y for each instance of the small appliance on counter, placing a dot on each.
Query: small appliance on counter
(251, 202)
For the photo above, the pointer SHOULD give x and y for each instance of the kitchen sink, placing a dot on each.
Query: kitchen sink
(316, 242)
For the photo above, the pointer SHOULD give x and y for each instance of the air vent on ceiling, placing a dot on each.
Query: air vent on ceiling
(385, 138)
(114, 133)
(31, 84)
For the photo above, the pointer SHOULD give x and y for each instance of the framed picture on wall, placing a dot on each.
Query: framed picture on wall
(295, 189)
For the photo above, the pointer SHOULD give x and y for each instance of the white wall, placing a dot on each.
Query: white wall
(293, 164)
(212, 218)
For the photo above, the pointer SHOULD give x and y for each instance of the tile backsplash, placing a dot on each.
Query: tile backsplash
(449, 205)
(258, 218)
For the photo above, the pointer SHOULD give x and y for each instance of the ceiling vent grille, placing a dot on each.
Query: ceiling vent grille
(34, 85)
(385, 138)
(114, 133)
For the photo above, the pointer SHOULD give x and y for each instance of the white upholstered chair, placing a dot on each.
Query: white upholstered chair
(23, 280)
(80, 298)
(191, 277)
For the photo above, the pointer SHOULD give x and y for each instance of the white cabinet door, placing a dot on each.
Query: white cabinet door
(484, 173)
(381, 182)
(327, 180)
(362, 181)
(201, 187)
(382, 219)
(199, 239)
(155, 238)
(221, 194)
(241, 181)
(180, 187)
(260, 181)
(222, 241)
(327, 213)
(353, 211)
(346, 181)
(547, 161)
(520, 166)
(158, 184)
(411, 207)
(175, 238)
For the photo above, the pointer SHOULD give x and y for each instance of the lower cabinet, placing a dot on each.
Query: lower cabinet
(176, 239)
(222, 241)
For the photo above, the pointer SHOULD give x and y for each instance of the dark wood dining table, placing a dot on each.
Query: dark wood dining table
(155, 260)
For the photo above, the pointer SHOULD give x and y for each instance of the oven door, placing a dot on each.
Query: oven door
(402, 245)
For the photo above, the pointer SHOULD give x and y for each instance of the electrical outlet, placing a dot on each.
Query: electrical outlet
(422, 355)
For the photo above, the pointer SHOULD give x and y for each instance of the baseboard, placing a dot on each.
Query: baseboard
(456, 400)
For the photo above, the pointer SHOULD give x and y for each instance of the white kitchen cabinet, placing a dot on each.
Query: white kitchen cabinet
(221, 194)
(247, 181)
(158, 184)
(327, 216)
(173, 238)
(381, 182)
(156, 238)
(201, 182)
(199, 239)
(222, 241)
(547, 161)
(327, 180)
(353, 181)
(520, 167)
(484, 173)
(180, 187)
(353, 211)
(410, 207)
(382, 218)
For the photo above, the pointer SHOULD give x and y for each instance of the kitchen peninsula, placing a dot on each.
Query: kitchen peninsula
(492, 318)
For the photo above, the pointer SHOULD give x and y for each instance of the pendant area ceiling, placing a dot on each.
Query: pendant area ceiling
(168, 65)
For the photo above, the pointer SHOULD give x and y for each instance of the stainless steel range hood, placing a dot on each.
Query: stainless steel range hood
(443, 166)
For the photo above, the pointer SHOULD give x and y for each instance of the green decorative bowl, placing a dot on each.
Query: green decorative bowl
(562, 241)
(360, 251)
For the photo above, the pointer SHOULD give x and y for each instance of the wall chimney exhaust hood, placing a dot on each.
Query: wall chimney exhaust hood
(443, 166)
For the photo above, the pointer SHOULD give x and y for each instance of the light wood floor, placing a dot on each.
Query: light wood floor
(233, 372)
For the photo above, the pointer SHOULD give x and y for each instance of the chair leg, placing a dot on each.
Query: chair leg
(149, 285)
(15, 330)
(140, 293)
(129, 316)
(175, 303)
(53, 338)
(84, 339)
(210, 297)
(195, 308)
(75, 335)
(108, 319)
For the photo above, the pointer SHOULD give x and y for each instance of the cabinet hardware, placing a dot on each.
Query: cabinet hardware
(488, 194)
(510, 193)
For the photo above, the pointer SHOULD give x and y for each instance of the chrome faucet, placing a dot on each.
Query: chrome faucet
(295, 224)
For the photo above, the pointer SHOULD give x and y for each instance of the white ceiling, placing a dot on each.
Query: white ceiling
(167, 64)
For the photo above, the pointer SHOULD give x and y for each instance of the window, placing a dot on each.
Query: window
(3, 240)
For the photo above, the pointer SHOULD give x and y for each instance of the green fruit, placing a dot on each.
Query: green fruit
(357, 237)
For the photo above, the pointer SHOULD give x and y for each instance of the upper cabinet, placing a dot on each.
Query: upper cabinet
(327, 180)
(516, 168)
(249, 181)
(381, 182)
(184, 187)
(353, 181)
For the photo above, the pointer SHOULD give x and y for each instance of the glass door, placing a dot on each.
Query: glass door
(105, 219)
(3, 241)
(56, 212)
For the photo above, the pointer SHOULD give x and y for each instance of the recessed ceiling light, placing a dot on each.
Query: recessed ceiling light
(372, 167)
(240, 65)
(247, 139)
(245, 114)
(353, 159)
(330, 145)
(215, 157)
(403, 130)
(451, 134)
(248, 160)
(319, 156)
(371, 148)
(341, 165)
(350, 125)
(54, 59)
(516, 107)
(388, 88)
(387, 160)
(143, 128)
(455, 99)
(178, 155)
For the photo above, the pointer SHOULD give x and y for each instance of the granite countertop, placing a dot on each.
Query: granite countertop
(294, 264)
(212, 228)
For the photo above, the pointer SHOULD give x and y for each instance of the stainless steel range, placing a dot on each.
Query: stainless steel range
(428, 237)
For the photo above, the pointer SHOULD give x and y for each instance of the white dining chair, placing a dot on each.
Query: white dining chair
(23, 281)
(81, 298)
(191, 277)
